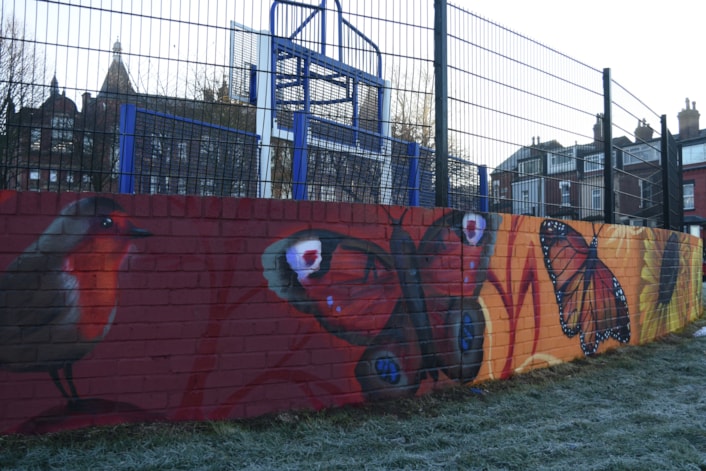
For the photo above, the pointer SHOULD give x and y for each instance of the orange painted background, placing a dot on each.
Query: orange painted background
(123, 308)
(520, 299)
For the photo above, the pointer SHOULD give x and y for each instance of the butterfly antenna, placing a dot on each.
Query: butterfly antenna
(595, 234)
(395, 220)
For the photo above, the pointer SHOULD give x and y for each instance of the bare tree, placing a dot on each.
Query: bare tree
(414, 120)
(21, 70)
(413, 111)
(413, 107)
(21, 80)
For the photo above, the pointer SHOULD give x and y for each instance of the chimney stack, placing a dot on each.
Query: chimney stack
(86, 98)
(643, 132)
(598, 132)
(688, 121)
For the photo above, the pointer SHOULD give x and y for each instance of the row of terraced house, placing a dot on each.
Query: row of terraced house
(547, 179)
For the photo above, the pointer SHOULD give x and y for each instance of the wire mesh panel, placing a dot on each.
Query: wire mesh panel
(169, 154)
(244, 49)
(342, 176)
(362, 71)
(638, 176)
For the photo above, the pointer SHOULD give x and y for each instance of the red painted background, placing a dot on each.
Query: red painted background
(197, 333)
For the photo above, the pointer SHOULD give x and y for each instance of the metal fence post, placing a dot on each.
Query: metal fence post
(672, 181)
(441, 102)
(483, 188)
(608, 200)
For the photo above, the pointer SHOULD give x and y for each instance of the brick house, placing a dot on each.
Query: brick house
(56, 147)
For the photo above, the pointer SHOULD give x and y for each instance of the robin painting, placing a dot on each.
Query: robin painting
(58, 298)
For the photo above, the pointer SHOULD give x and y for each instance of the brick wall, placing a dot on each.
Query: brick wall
(189, 308)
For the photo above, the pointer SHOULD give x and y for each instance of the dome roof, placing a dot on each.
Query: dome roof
(57, 102)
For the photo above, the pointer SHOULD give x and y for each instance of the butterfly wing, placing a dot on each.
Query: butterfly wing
(350, 285)
(393, 365)
(454, 255)
(354, 289)
(591, 301)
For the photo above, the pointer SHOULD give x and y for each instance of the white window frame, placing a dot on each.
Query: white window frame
(688, 197)
(565, 192)
(530, 167)
(693, 154)
(36, 139)
(596, 196)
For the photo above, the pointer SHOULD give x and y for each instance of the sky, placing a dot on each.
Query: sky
(654, 50)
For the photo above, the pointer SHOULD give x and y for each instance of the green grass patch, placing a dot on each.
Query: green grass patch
(633, 408)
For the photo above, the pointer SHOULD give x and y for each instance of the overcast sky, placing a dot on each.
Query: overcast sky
(654, 49)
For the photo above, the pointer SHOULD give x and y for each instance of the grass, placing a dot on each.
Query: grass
(634, 408)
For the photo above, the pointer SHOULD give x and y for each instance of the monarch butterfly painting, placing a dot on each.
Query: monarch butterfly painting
(410, 305)
(591, 300)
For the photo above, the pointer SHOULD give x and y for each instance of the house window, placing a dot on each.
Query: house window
(208, 187)
(88, 144)
(34, 174)
(529, 167)
(693, 154)
(181, 186)
(156, 147)
(496, 188)
(564, 162)
(35, 139)
(182, 151)
(53, 177)
(596, 199)
(154, 184)
(565, 188)
(62, 134)
(688, 190)
(594, 162)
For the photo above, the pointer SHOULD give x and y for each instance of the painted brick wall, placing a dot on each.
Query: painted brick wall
(188, 308)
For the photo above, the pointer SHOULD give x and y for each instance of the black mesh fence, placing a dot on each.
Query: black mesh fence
(528, 126)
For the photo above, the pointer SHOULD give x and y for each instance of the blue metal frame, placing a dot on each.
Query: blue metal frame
(300, 159)
(283, 47)
(128, 118)
(128, 121)
(414, 177)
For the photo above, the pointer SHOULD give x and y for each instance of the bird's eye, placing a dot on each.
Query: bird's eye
(107, 222)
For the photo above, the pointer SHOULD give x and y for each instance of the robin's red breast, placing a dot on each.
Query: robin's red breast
(58, 298)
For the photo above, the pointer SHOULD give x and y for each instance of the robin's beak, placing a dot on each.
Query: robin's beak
(138, 232)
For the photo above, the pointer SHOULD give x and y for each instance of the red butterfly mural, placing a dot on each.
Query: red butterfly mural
(591, 301)
(412, 306)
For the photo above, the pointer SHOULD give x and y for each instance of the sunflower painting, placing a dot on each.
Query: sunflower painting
(669, 286)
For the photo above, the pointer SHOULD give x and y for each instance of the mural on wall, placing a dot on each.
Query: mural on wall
(59, 297)
(667, 280)
(244, 307)
(412, 305)
(590, 298)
